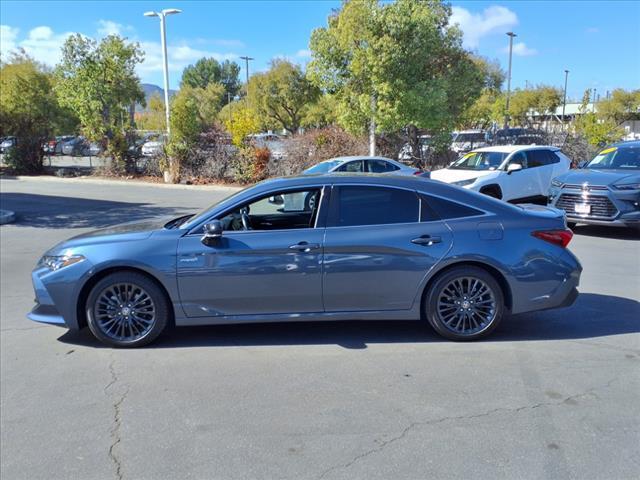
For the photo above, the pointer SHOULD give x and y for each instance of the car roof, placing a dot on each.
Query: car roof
(471, 131)
(356, 157)
(629, 143)
(513, 148)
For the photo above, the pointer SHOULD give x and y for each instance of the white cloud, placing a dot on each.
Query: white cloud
(521, 50)
(494, 19)
(303, 53)
(180, 55)
(109, 27)
(8, 36)
(41, 43)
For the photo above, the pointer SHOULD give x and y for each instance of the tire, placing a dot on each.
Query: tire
(132, 324)
(571, 225)
(440, 306)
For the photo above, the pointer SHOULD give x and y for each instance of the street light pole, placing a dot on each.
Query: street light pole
(163, 39)
(564, 102)
(511, 35)
(246, 59)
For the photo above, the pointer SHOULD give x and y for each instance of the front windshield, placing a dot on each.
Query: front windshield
(479, 161)
(323, 167)
(203, 214)
(623, 158)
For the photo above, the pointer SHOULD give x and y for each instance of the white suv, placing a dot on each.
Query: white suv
(513, 173)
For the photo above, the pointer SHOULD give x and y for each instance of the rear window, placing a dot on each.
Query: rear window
(374, 206)
(434, 208)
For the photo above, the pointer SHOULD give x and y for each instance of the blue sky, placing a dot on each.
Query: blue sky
(598, 41)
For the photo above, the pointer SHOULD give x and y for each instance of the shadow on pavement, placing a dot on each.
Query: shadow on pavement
(592, 316)
(47, 211)
(618, 233)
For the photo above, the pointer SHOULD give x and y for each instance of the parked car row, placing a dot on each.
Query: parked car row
(604, 191)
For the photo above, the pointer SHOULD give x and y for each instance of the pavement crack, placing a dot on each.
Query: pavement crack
(117, 419)
(591, 392)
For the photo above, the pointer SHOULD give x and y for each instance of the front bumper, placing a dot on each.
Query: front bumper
(608, 207)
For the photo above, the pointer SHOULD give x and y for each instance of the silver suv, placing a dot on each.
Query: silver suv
(605, 191)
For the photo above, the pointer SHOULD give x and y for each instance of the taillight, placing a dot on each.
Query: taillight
(557, 237)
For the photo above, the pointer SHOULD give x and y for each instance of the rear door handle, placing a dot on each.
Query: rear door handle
(426, 240)
(304, 246)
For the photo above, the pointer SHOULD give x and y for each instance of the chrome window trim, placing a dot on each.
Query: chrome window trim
(322, 187)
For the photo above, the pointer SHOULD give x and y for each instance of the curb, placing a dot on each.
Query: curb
(131, 183)
(7, 216)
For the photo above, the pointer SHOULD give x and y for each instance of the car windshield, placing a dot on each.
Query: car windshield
(627, 158)
(323, 167)
(470, 137)
(479, 161)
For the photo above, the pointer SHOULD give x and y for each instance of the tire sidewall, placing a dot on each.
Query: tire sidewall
(153, 290)
(442, 280)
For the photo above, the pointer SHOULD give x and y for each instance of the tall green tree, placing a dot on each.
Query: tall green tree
(282, 94)
(29, 110)
(207, 71)
(99, 83)
(621, 106)
(481, 112)
(397, 64)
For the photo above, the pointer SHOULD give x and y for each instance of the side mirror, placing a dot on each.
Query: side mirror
(212, 232)
(513, 167)
(582, 164)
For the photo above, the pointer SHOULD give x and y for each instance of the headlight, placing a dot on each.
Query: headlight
(627, 186)
(462, 183)
(556, 183)
(56, 262)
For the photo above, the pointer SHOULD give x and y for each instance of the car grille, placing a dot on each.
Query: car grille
(601, 206)
(579, 187)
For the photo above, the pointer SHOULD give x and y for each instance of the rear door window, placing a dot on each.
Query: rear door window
(380, 166)
(356, 166)
(356, 205)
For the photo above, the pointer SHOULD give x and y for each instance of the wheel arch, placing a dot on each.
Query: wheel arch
(492, 187)
(81, 314)
(490, 269)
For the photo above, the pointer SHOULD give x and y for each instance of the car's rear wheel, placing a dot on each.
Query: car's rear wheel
(571, 225)
(127, 309)
(464, 303)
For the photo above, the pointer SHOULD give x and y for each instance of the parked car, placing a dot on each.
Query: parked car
(153, 146)
(604, 191)
(273, 142)
(74, 146)
(516, 174)
(468, 140)
(358, 164)
(406, 152)
(54, 146)
(371, 247)
(519, 136)
(7, 144)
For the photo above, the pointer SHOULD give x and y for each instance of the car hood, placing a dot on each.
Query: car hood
(118, 233)
(593, 176)
(449, 175)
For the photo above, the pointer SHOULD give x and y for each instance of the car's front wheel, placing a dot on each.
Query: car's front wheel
(464, 303)
(127, 309)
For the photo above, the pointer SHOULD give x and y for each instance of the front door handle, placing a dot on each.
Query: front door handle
(304, 246)
(426, 240)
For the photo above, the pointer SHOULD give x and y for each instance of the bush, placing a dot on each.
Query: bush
(314, 146)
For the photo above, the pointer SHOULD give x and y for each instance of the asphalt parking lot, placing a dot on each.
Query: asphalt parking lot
(549, 395)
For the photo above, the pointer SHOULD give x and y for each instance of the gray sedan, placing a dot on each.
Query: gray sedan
(344, 247)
